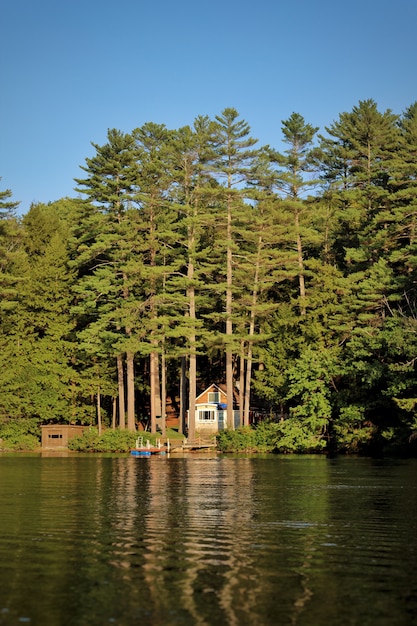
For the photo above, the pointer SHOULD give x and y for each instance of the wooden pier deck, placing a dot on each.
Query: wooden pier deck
(199, 443)
(164, 444)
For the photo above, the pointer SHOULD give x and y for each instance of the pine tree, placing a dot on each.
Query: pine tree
(10, 247)
(297, 161)
(403, 199)
(106, 246)
(154, 227)
(41, 382)
(359, 161)
(232, 167)
(7, 206)
(193, 153)
(364, 174)
(262, 265)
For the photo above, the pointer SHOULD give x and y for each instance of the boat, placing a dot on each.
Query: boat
(146, 449)
(136, 452)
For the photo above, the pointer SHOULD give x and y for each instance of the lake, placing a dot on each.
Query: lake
(95, 540)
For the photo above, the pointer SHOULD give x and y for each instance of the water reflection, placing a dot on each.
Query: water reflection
(306, 541)
(215, 511)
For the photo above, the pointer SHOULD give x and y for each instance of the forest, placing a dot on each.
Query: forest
(194, 255)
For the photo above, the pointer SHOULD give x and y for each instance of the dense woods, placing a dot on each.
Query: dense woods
(193, 255)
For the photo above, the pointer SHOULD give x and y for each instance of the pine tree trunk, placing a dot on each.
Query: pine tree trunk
(241, 381)
(155, 391)
(192, 373)
(255, 292)
(153, 357)
(248, 385)
(192, 360)
(183, 396)
(301, 279)
(114, 413)
(98, 411)
(120, 380)
(229, 323)
(163, 395)
(130, 380)
(191, 398)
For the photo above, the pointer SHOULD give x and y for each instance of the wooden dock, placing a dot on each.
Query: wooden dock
(164, 445)
(199, 445)
(194, 445)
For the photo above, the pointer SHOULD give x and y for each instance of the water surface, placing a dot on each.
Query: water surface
(92, 540)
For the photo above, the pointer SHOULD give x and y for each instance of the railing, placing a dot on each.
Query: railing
(200, 442)
(139, 444)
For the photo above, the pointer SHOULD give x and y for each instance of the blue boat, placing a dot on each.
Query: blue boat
(140, 452)
(147, 450)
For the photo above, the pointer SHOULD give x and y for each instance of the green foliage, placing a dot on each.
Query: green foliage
(110, 441)
(7, 206)
(286, 436)
(294, 435)
(309, 391)
(194, 246)
(239, 440)
(349, 432)
(19, 434)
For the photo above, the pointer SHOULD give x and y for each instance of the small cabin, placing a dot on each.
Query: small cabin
(211, 411)
(56, 436)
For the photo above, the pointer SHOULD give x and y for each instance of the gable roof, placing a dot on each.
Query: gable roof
(212, 387)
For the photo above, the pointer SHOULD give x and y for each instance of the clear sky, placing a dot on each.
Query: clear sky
(72, 69)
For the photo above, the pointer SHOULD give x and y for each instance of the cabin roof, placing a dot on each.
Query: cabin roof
(212, 387)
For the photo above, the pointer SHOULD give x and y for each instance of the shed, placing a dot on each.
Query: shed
(56, 436)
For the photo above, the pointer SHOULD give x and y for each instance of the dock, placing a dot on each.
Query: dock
(147, 449)
(185, 445)
(176, 445)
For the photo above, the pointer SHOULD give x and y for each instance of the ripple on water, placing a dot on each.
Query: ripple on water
(203, 542)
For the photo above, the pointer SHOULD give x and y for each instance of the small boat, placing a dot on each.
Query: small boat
(136, 452)
(147, 449)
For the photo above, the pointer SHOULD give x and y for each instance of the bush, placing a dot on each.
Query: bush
(353, 440)
(87, 442)
(266, 436)
(109, 441)
(18, 435)
(240, 440)
(248, 439)
(287, 436)
(293, 436)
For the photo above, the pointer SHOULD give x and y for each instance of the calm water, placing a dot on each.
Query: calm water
(93, 540)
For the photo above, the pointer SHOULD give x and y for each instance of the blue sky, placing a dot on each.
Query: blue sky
(71, 70)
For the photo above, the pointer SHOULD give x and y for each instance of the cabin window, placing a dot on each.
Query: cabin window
(55, 436)
(206, 416)
(214, 397)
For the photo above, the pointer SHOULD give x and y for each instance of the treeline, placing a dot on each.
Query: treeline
(193, 256)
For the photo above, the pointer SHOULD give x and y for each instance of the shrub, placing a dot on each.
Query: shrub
(240, 440)
(266, 435)
(109, 441)
(294, 436)
(248, 439)
(19, 434)
(87, 442)
(287, 436)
